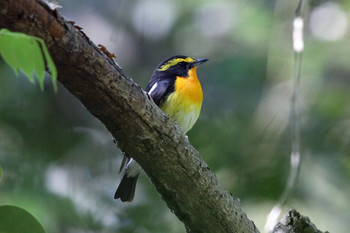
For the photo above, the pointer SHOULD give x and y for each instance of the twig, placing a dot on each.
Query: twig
(298, 46)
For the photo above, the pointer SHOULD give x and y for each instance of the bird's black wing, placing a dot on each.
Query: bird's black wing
(162, 89)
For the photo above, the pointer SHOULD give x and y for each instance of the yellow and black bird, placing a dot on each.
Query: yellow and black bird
(175, 88)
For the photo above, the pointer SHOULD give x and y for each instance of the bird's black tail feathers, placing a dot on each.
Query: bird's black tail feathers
(126, 188)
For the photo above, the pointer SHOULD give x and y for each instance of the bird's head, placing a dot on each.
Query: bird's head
(179, 65)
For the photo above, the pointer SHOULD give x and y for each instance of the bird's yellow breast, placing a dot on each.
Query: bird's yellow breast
(184, 104)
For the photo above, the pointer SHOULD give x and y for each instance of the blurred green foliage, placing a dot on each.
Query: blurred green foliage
(60, 163)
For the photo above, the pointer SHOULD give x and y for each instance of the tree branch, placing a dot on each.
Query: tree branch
(158, 144)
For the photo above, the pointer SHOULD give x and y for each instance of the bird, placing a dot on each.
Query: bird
(175, 88)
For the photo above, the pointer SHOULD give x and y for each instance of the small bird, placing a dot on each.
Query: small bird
(175, 88)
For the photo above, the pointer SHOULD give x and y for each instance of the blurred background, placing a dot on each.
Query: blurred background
(59, 162)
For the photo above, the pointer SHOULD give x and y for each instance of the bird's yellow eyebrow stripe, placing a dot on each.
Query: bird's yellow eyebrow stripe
(174, 62)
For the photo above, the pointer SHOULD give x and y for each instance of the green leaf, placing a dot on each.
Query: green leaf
(6, 48)
(14, 219)
(50, 63)
(23, 49)
(27, 53)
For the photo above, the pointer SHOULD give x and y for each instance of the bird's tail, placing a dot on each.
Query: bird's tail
(126, 188)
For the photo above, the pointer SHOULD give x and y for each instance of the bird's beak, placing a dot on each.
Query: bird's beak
(199, 61)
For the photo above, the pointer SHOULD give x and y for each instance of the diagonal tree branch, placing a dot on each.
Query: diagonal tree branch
(158, 144)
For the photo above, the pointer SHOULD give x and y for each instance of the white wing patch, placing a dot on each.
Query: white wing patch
(153, 88)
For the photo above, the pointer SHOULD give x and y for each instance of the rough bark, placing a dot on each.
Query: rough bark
(294, 222)
(158, 144)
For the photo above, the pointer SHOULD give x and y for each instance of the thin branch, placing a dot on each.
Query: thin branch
(295, 156)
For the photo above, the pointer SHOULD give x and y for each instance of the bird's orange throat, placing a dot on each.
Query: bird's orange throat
(190, 87)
